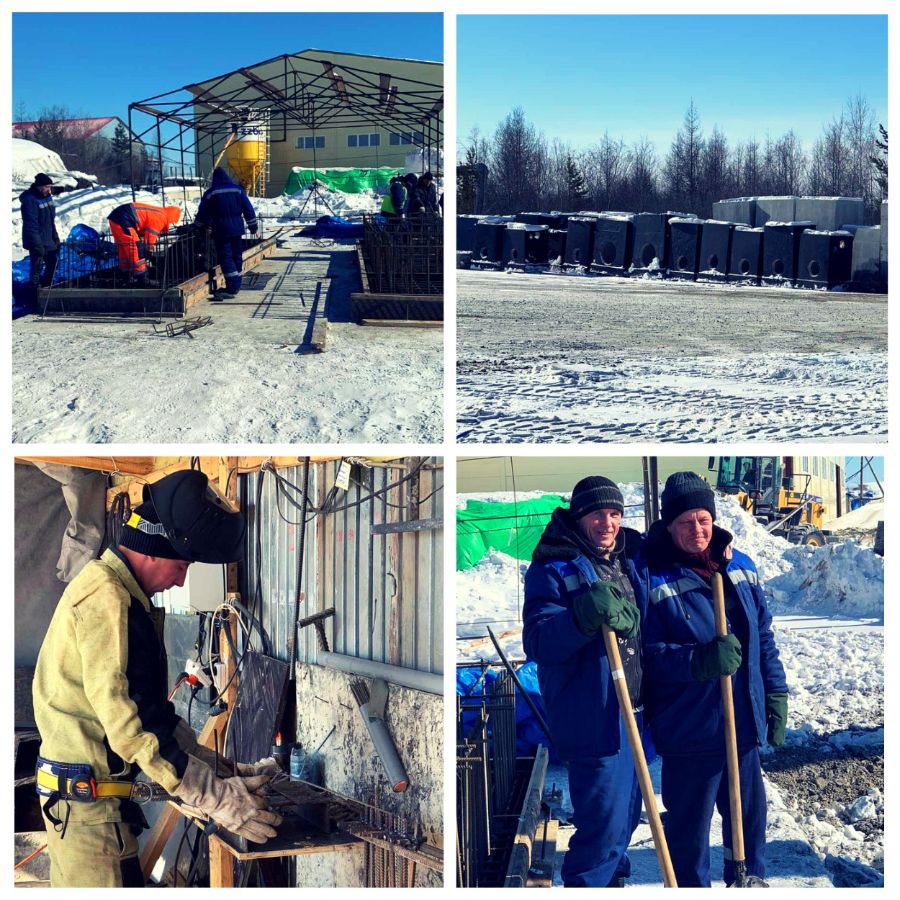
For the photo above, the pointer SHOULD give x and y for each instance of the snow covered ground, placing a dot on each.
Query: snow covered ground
(825, 786)
(561, 358)
(239, 380)
(29, 158)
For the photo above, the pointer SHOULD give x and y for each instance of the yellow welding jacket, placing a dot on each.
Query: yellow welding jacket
(199, 524)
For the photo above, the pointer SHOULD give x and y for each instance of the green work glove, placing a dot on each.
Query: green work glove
(605, 604)
(776, 716)
(721, 656)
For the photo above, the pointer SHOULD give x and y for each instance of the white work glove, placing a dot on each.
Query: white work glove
(234, 803)
(268, 766)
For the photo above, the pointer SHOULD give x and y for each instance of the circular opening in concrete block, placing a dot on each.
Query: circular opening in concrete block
(608, 252)
(778, 267)
(712, 262)
(482, 252)
(576, 254)
(514, 253)
(648, 254)
(745, 267)
(815, 270)
(681, 262)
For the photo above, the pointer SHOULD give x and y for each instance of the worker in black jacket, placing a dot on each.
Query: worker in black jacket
(39, 235)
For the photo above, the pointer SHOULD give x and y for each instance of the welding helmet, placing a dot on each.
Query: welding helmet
(182, 517)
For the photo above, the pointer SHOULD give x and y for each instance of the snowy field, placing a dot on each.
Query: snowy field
(825, 785)
(558, 359)
(238, 380)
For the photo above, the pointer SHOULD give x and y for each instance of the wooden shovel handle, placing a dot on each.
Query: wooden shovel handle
(637, 754)
(731, 754)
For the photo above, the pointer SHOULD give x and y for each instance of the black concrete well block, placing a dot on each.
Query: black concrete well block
(745, 259)
(651, 244)
(465, 232)
(825, 259)
(551, 220)
(556, 245)
(685, 237)
(489, 242)
(580, 240)
(525, 245)
(613, 242)
(781, 247)
(715, 250)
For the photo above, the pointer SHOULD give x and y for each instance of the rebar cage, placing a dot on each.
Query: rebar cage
(486, 771)
(404, 257)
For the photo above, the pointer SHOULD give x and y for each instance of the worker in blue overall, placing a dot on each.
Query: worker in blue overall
(582, 577)
(224, 209)
(683, 662)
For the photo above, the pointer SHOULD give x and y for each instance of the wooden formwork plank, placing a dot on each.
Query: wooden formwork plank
(520, 855)
(543, 860)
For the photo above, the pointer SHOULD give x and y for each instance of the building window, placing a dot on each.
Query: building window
(363, 140)
(407, 138)
(309, 142)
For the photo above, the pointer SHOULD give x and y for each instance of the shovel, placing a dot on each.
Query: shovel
(637, 754)
(741, 878)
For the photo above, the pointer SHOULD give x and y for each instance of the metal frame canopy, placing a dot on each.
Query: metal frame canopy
(309, 91)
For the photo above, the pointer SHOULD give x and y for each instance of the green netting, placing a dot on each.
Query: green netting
(350, 181)
(512, 528)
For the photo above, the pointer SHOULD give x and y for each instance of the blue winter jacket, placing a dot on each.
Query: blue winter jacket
(38, 221)
(685, 715)
(225, 206)
(573, 670)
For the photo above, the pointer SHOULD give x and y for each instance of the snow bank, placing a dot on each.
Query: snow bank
(841, 579)
(289, 208)
(29, 158)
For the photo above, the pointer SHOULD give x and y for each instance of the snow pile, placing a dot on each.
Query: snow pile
(329, 202)
(842, 579)
(29, 158)
(836, 681)
(487, 595)
(91, 206)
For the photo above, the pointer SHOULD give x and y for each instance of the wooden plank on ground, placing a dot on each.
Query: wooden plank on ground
(403, 323)
(543, 860)
(316, 325)
(520, 855)
(399, 298)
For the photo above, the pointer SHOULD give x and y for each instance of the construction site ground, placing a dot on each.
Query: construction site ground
(561, 358)
(257, 373)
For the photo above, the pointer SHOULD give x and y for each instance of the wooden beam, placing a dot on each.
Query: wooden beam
(403, 323)
(127, 465)
(400, 298)
(520, 855)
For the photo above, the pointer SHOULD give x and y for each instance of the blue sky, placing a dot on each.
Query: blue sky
(576, 76)
(98, 63)
(851, 467)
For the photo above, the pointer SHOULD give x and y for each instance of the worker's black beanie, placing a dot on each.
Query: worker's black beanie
(42, 180)
(593, 493)
(684, 491)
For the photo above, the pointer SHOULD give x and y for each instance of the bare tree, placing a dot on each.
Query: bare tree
(716, 176)
(606, 165)
(518, 161)
(642, 189)
(683, 164)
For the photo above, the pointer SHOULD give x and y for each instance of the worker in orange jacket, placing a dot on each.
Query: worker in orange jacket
(136, 228)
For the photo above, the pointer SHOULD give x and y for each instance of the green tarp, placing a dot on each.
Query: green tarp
(350, 181)
(511, 528)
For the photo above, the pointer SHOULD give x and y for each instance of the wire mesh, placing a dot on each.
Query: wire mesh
(404, 257)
